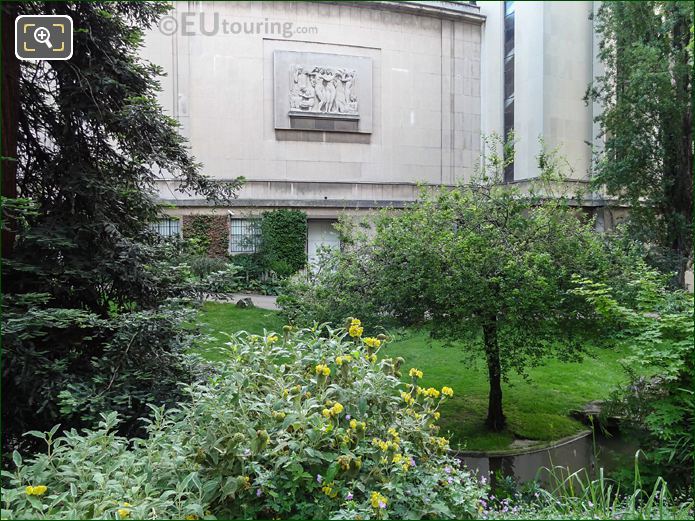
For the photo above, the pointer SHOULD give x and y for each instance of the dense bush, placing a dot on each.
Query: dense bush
(283, 241)
(578, 496)
(297, 425)
(64, 365)
(339, 286)
(657, 324)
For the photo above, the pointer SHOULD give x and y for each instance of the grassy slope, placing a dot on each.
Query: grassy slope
(536, 408)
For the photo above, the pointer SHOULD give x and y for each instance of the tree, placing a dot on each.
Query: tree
(486, 263)
(647, 119)
(92, 141)
(91, 144)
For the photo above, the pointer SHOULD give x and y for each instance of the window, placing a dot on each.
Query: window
(244, 235)
(167, 227)
(508, 102)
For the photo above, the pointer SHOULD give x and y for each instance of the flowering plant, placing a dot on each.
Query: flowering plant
(309, 426)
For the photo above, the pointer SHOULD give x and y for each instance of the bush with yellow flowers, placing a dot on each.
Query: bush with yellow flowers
(309, 424)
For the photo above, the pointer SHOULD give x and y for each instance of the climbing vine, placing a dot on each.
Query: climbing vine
(210, 233)
(283, 241)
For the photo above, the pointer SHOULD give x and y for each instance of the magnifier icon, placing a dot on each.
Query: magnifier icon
(43, 35)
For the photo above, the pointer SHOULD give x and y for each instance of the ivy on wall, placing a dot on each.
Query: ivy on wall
(210, 232)
(283, 241)
(282, 245)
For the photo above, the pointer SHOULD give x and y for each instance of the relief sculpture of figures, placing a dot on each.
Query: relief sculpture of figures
(325, 90)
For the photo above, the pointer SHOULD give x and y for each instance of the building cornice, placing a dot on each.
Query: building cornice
(462, 11)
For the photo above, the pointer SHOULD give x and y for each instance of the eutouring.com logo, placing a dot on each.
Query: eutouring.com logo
(212, 24)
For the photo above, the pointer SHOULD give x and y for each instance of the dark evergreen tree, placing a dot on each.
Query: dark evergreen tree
(91, 143)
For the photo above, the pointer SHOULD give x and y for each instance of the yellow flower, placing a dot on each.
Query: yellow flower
(326, 413)
(272, 339)
(378, 501)
(355, 322)
(437, 414)
(322, 369)
(447, 391)
(441, 443)
(337, 408)
(353, 424)
(339, 361)
(123, 513)
(394, 434)
(191, 516)
(415, 373)
(432, 393)
(344, 462)
(372, 342)
(397, 458)
(38, 490)
(355, 331)
(407, 398)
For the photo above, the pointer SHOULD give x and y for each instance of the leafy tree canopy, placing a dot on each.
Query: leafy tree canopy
(485, 262)
(646, 121)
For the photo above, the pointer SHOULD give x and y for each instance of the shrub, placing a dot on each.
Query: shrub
(283, 241)
(67, 365)
(202, 265)
(657, 325)
(339, 287)
(297, 424)
(142, 362)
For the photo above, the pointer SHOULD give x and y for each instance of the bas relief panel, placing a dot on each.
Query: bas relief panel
(323, 90)
(322, 87)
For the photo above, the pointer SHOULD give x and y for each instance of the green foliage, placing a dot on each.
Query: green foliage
(658, 327)
(283, 241)
(70, 364)
(481, 262)
(646, 120)
(92, 142)
(296, 424)
(339, 287)
(576, 495)
(141, 363)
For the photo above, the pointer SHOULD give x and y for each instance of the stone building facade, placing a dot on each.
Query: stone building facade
(334, 107)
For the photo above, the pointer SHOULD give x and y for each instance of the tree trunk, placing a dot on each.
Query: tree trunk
(679, 157)
(10, 107)
(495, 418)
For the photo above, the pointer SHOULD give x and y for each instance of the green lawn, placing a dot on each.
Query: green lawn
(536, 408)
(217, 318)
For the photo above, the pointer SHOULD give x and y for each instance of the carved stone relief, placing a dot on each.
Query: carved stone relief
(321, 89)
